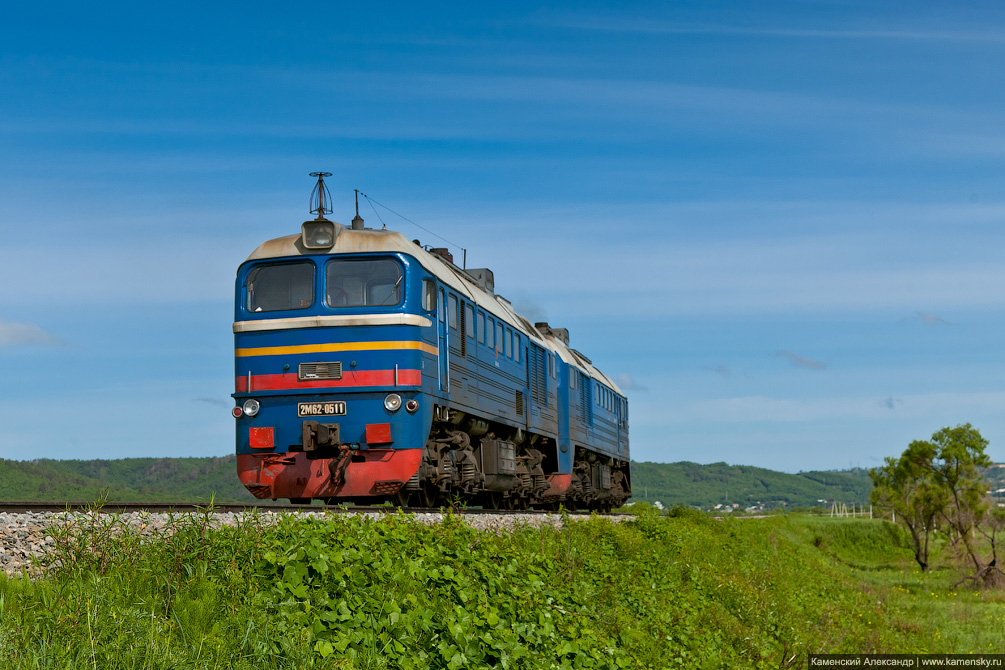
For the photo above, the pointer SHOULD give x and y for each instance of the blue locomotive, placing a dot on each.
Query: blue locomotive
(369, 368)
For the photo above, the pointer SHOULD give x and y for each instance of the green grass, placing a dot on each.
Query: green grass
(681, 590)
(938, 617)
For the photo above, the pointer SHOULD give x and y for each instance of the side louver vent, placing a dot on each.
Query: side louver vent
(311, 371)
(519, 403)
(537, 370)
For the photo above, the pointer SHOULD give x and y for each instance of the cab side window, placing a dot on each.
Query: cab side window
(469, 320)
(429, 295)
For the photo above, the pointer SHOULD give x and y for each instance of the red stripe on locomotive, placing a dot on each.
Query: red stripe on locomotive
(350, 379)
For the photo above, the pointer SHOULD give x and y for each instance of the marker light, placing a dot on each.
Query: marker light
(392, 403)
(411, 406)
(237, 412)
(251, 407)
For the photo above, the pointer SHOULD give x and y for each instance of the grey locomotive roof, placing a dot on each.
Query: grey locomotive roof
(366, 240)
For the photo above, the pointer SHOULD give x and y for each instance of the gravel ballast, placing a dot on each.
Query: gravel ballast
(28, 535)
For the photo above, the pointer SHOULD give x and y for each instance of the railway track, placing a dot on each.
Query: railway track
(20, 507)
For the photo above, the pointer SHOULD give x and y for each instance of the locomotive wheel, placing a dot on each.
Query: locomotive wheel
(402, 498)
(492, 500)
(428, 496)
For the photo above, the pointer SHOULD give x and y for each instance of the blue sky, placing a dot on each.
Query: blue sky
(778, 225)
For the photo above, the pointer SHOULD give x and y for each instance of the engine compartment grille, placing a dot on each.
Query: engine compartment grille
(312, 371)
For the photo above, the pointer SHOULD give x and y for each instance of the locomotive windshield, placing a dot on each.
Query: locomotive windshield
(363, 283)
(281, 286)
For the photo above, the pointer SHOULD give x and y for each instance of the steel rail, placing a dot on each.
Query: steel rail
(20, 507)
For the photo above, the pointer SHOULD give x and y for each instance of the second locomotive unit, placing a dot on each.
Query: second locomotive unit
(369, 368)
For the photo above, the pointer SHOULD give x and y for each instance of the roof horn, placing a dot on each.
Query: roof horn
(357, 221)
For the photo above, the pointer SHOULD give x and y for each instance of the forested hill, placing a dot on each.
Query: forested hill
(706, 486)
(126, 479)
(196, 479)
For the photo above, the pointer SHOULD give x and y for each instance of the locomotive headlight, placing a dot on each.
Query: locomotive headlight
(318, 234)
(237, 412)
(251, 407)
(411, 406)
(392, 403)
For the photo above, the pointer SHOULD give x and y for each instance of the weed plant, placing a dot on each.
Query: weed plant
(338, 591)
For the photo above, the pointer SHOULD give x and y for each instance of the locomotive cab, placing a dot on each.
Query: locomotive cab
(330, 345)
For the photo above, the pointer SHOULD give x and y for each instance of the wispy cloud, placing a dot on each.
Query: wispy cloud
(800, 361)
(927, 318)
(93, 274)
(890, 402)
(13, 333)
(543, 106)
(795, 261)
(934, 408)
(719, 369)
(650, 26)
(963, 144)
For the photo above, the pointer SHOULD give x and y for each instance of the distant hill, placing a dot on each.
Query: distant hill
(126, 479)
(196, 479)
(706, 486)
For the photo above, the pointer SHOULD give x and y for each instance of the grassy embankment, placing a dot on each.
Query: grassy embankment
(343, 592)
(943, 618)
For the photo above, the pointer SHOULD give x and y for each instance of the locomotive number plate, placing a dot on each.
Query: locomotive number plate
(330, 408)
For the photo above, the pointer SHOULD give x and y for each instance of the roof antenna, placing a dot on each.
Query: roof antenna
(318, 196)
(357, 221)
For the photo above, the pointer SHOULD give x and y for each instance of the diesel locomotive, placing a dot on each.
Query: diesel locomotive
(370, 368)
